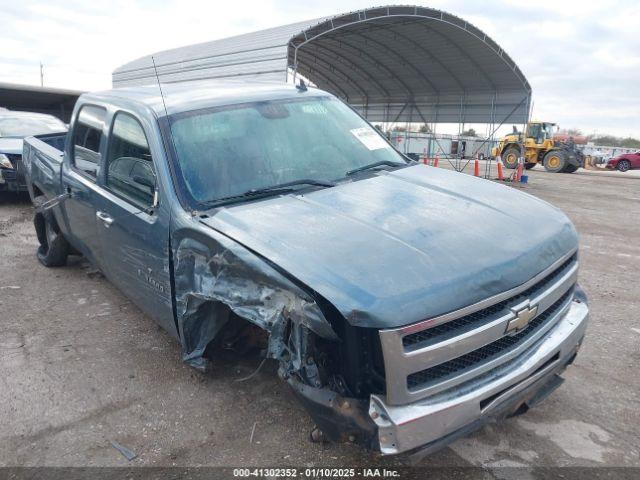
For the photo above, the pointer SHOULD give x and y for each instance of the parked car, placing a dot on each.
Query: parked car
(405, 305)
(624, 162)
(14, 127)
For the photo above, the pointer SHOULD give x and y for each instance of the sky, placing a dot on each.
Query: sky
(581, 58)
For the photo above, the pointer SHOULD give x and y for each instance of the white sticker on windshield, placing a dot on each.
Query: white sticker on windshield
(314, 109)
(369, 138)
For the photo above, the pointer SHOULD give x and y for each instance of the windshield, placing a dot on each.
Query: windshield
(27, 126)
(231, 150)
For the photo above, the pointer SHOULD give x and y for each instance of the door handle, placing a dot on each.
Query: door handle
(105, 218)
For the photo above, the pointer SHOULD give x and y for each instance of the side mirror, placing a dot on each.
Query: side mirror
(149, 184)
(144, 181)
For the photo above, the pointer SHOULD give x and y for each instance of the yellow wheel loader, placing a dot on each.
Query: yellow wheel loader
(539, 147)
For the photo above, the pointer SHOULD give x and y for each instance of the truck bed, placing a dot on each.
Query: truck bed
(42, 159)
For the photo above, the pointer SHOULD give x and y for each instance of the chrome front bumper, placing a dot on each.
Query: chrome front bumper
(428, 421)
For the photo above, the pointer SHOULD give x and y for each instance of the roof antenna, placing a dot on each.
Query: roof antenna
(302, 86)
(173, 143)
(155, 69)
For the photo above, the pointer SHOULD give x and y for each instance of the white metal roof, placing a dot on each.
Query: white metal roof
(396, 63)
(195, 95)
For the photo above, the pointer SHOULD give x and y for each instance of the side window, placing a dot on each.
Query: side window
(130, 172)
(87, 134)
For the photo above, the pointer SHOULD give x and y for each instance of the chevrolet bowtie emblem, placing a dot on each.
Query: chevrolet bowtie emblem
(524, 313)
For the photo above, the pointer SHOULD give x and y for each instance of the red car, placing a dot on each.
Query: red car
(625, 162)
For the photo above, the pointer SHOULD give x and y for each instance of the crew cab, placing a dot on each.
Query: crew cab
(406, 305)
(14, 127)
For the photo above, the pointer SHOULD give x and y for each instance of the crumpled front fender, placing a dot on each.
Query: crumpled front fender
(215, 275)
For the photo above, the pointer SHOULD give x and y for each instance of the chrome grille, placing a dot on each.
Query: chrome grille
(11, 175)
(14, 158)
(486, 353)
(468, 322)
(439, 353)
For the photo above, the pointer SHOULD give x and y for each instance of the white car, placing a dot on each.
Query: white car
(14, 127)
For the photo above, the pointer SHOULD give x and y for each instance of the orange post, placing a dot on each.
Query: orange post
(435, 162)
(519, 172)
(500, 175)
(425, 158)
(476, 167)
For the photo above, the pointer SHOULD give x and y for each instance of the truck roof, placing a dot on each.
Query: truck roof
(185, 96)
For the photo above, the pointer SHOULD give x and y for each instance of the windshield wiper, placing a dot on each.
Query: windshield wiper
(374, 165)
(288, 185)
(267, 191)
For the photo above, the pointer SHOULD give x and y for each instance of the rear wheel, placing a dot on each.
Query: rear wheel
(623, 165)
(554, 161)
(53, 249)
(510, 157)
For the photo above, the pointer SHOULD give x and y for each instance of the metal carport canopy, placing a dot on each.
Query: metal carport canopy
(54, 101)
(396, 63)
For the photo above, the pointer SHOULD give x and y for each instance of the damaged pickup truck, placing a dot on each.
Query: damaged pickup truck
(406, 305)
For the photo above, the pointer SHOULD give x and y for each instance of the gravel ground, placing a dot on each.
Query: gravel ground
(80, 366)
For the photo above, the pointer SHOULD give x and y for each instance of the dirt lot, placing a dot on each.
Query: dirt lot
(80, 366)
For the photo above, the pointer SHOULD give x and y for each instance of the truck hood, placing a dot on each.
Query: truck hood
(11, 145)
(406, 245)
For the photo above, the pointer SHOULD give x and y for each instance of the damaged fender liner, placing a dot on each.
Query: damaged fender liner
(340, 418)
(215, 275)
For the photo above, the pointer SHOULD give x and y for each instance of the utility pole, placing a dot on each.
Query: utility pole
(41, 75)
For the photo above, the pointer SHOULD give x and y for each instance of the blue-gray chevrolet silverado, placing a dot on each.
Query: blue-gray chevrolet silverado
(406, 305)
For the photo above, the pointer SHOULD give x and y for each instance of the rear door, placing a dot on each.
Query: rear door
(80, 175)
(134, 235)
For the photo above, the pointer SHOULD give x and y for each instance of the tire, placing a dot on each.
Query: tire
(570, 168)
(529, 166)
(510, 157)
(54, 248)
(554, 161)
(623, 165)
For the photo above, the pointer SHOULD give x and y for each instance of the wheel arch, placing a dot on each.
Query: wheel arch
(507, 146)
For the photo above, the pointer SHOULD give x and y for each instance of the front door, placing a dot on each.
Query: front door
(134, 236)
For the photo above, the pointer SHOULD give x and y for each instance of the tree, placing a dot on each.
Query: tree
(613, 141)
(469, 133)
(630, 142)
(424, 128)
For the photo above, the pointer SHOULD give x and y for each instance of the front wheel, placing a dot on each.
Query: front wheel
(554, 161)
(510, 157)
(570, 168)
(529, 166)
(623, 165)
(54, 248)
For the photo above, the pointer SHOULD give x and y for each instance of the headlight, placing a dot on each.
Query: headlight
(5, 162)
